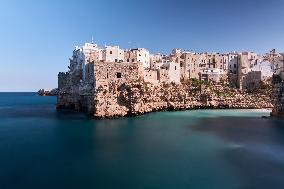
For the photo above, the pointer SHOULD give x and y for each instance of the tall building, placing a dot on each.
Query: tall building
(112, 54)
(140, 55)
(84, 55)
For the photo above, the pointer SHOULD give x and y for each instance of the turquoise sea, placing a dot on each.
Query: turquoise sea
(205, 149)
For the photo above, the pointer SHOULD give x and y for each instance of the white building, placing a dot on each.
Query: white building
(169, 72)
(266, 68)
(212, 74)
(154, 59)
(233, 63)
(85, 54)
(141, 55)
(112, 54)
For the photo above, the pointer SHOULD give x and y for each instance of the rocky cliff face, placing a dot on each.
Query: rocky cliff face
(139, 97)
(278, 100)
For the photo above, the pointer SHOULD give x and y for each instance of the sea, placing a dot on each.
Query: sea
(41, 147)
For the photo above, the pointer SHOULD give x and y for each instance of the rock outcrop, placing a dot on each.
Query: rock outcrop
(43, 92)
(114, 99)
(278, 100)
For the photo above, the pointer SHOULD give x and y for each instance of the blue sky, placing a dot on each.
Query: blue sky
(37, 37)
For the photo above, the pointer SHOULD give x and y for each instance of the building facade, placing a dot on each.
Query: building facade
(141, 55)
(241, 69)
(112, 54)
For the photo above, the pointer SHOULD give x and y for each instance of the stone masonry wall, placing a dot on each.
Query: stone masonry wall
(120, 72)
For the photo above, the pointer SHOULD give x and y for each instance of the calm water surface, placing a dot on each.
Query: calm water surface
(208, 149)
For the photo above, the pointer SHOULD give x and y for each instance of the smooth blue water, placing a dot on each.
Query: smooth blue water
(214, 149)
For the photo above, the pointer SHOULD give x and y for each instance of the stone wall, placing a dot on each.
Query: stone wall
(119, 72)
(151, 76)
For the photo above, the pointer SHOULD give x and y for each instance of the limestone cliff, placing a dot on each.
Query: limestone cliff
(114, 99)
(278, 100)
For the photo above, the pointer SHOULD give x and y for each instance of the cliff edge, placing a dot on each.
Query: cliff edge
(114, 99)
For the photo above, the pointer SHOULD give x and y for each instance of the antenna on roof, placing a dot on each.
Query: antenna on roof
(92, 39)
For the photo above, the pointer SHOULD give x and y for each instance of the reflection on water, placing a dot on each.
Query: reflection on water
(43, 148)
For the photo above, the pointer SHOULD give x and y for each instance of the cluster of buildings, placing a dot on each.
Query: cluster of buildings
(94, 64)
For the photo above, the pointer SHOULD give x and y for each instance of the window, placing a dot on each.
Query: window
(107, 75)
(235, 65)
(127, 59)
(139, 54)
(133, 60)
(180, 64)
(175, 67)
(115, 60)
(110, 52)
(118, 75)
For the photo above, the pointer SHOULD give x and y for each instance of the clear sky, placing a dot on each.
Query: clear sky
(37, 37)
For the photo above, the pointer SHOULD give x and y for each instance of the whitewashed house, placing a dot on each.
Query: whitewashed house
(266, 68)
